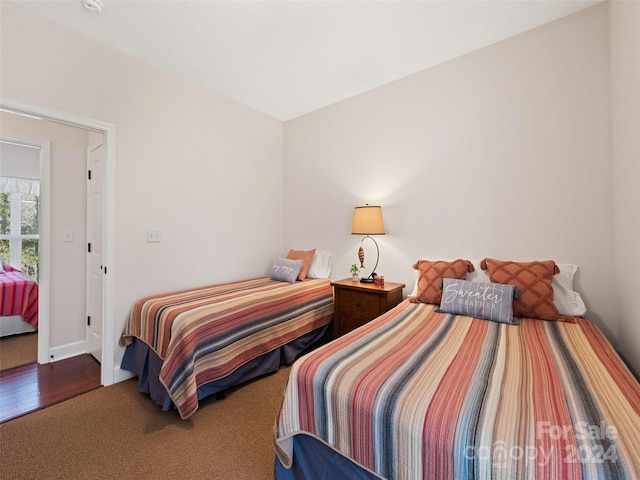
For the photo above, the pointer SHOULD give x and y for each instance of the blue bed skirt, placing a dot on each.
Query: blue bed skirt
(145, 363)
(313, 460)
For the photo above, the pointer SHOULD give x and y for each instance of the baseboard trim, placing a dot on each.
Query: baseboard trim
(120, 375)
(67, 351)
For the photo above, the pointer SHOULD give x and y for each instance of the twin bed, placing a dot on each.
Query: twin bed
(18, 302)
(187, 345)
(427, 392)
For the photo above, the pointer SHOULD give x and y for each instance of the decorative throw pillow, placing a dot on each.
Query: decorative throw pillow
(430, 275)
(476, 274)
(285, 270)
(533, 280)
(491, 301)
(306, 256)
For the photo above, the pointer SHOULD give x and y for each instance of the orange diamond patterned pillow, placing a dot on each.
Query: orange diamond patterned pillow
(430, 275)
(533, 279)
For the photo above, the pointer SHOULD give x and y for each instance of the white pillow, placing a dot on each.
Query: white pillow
(567, 301)
(320, 265)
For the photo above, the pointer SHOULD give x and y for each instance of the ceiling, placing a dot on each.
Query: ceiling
(288, 58)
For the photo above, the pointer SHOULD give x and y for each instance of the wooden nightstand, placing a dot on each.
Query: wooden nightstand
(357, 303)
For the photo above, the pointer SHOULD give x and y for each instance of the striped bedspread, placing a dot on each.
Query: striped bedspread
(419, 394)
(18, 295)
(206, 333)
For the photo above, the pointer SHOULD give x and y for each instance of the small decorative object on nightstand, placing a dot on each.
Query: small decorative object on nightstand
(355, 272)
(358, 303)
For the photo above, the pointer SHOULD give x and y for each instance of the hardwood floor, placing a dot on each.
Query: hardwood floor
(32, 387)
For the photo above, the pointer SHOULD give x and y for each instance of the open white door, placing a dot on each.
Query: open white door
(95, 258)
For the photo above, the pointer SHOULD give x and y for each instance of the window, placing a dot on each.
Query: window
(19, 223)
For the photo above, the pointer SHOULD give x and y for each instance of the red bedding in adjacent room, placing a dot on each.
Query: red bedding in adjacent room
(18, 295)
(418, 394)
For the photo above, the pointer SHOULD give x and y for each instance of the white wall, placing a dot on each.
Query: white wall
(504, 152)
(68, 162)
(203, 169)
(625, 107)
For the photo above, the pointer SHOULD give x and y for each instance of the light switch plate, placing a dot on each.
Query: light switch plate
(153, 236)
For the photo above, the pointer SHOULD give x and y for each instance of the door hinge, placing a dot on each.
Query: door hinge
(89, 247)
(88, 321)
(89, 174)
(105, 270)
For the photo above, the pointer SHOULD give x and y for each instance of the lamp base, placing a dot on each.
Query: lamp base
(370, 279)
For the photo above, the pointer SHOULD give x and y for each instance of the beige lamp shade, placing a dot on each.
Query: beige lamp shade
(367, 220)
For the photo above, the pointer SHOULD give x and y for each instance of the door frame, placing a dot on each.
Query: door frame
(108, 230)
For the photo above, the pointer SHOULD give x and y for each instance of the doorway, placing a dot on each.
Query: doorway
(107, 132)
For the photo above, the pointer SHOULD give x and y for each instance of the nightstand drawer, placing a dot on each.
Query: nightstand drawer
(349, 323)
(359, 304)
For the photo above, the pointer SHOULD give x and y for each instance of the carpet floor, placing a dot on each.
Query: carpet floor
(18, 350)
(117, 432)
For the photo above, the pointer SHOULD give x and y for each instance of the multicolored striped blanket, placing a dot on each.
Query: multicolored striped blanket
(206, 333)
(420, 394)
(18, 295)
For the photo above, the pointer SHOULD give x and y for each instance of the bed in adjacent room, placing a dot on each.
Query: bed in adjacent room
(18, 302)
(451, 384)
(190, 344)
